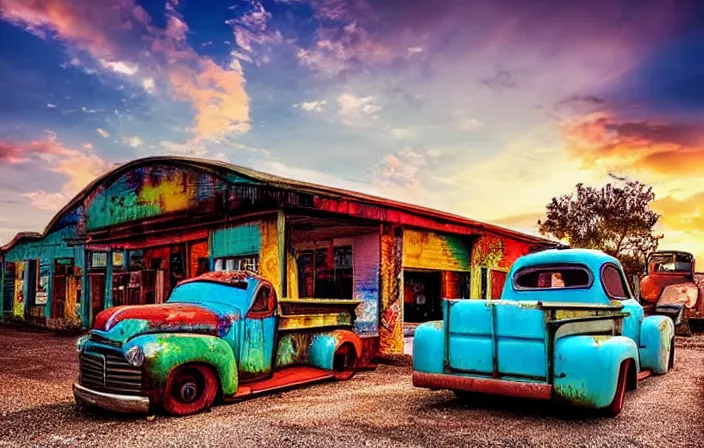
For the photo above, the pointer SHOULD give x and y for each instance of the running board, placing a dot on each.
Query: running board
(282, 379)
(644, 374)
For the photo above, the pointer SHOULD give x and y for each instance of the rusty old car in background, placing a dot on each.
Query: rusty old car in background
(671, 286)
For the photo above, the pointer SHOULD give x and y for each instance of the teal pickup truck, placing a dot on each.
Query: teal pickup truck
(566, 328)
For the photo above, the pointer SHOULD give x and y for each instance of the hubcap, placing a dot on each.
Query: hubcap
(189, 392)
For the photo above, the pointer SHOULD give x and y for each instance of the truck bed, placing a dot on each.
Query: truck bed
(303, 314)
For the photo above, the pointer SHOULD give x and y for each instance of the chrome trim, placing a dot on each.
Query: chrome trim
(111, 402)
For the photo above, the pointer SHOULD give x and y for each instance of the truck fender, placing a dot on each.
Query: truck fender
(429, 347)
(322, 348)
(656, 342)
(587, 368)
(164, 352)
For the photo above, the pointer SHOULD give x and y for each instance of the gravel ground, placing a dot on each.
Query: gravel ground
(376, 408)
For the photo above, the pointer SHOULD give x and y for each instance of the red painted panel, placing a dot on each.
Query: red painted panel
(161, 315)
(498, 278)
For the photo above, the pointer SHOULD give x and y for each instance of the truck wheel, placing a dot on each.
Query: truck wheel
(190, 389)
(344, 362)
(617, 404)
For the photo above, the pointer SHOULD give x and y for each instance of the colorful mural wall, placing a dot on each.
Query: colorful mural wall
(366, 283)
(391, 285)
(152, 191)
(496, 254)
(430, 250)
(269, 254)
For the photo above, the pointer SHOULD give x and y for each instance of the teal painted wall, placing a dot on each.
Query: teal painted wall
(46, 250)
(50, 247)
(244, 239)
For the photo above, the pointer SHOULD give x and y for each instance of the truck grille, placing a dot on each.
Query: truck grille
(109, 373)
(105, 341)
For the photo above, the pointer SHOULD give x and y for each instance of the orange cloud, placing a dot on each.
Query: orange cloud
(79, 167)
(118, 30)
(657, 147)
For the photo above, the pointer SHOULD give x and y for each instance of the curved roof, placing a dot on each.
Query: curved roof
(223, 170)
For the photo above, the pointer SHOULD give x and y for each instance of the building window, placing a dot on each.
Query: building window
(325, 273)
(136, 260)
(98, 261)
(246, 263)
(118, 261)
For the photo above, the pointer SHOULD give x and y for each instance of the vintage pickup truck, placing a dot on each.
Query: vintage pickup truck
(566, 328)
(221, 335)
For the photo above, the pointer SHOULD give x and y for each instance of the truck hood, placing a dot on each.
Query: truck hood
(125, 322)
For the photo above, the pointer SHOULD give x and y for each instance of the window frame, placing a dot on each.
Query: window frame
(555, 266)
(270, 309)
(624, 282)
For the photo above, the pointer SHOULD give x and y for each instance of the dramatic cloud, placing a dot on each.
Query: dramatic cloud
(103, 133)
(402, 169)
(79, 167)
(663, 148)
(113, 34)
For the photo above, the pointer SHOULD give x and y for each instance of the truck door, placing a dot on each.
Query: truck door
(258, 336)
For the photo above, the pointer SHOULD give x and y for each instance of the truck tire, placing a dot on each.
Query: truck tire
(617, 404)
(344, 362)
(190, 389)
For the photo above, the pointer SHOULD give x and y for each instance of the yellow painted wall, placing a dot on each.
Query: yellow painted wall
(429, 250)
(269, 254)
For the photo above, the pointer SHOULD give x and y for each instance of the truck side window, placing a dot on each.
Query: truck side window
(261, 302)
(613, 282)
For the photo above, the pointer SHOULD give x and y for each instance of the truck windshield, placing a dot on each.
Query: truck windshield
(670, 263)
(211, 292)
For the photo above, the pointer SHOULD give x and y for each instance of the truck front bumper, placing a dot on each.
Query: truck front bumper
(537, 391)
(111, 402)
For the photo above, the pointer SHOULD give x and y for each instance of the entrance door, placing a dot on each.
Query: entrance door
(8, 289)
(421, 295)
(97, 295)
(63, 269)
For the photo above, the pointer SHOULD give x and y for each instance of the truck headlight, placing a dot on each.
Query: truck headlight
(135, 356)
(79, 343)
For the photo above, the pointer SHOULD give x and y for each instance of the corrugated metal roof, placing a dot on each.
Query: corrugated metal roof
(222, 168)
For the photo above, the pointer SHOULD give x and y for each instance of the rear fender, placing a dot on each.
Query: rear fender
(164, 352)
(321, 351)
(656, 335)
(587, 368)
(429, 347)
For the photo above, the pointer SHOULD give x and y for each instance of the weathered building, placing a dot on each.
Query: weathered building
(136, 231)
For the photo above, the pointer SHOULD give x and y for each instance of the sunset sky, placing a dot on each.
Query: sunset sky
(482, 108)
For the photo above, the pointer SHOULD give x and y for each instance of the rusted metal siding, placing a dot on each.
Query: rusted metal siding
(430, 250)
(365, 256)
(391, 283)
(243, 239)
(151, 191)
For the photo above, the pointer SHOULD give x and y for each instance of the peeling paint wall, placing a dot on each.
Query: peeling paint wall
(495, 254)
(365, 257)
(151, 191)
(242, 239)
(430, 250)
(391, 283)
(269, 254)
